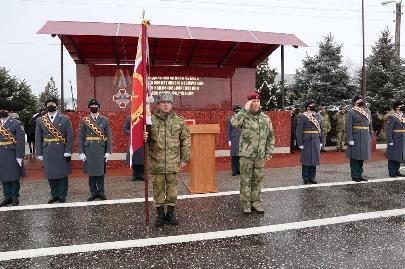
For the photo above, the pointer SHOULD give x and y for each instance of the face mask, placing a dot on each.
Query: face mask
(3, 114)
(312, 108)
(51, 108)
(402, 108)
(361, 103)
(93, 109)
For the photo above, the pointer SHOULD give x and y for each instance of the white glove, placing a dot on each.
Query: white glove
(19, 161)
(351, 143)
(390, 144)
(321, 145)
(301, 147)
(67, 154)
(229, 143)
(82, 157)
(107, 156)
(41, 158)
(149, 99)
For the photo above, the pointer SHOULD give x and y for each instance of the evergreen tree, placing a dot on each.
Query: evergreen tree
(16, 90)
(24, 95)
(270, 92)
(385, 74)
(50, 90)
(323, 78)
(8, 84)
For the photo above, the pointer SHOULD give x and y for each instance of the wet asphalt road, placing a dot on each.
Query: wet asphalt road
(371, 243)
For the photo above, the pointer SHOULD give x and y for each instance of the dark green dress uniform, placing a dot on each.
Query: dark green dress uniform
(233, 134)
(359, 130)
(55, 153)
(12, 150)
(95, 147)
(138, 157)
(395, 143)
(309, 136)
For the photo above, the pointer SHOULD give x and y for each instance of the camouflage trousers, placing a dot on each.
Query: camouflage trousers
(324, 136)
(340, 139)
(251, 171)
(164, 189)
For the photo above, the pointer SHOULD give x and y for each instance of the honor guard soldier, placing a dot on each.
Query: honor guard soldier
(12, 150)
(358, 132)
(53, 145)
(396, 139)
(310, 141)
(233, 142)
(256, 146)
(169, 143)
(95, 146)
(138, 157)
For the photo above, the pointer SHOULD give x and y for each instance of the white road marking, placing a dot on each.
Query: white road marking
(190, 196)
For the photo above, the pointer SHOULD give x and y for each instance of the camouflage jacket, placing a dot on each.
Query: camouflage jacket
(325, 123)
(169, 143)
(257, 135)
(340, 121)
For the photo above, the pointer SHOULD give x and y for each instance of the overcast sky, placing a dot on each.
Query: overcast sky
(36, 58)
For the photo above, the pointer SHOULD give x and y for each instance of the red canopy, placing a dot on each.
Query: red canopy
(115, 43)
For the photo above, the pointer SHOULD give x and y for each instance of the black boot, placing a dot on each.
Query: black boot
(160, 219)
(170, 217)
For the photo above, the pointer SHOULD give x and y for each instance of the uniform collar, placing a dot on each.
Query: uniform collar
(52, 114)
(94, 116)
(164, 115)
(5, 119)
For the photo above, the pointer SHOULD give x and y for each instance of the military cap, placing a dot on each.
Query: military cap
(52, 99)
(10, 105)
(164, 97)
(308, 103)
(93, 101)
(357, 97)
(236, 107)
(397, 104)
(253, 95)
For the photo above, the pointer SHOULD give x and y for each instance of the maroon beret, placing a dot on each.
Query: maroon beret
(253, 95)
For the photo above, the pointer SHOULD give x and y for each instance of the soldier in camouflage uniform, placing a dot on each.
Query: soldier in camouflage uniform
(169, 143)
(384, 121)
(325, 125)
(340, 118)
(255, 147)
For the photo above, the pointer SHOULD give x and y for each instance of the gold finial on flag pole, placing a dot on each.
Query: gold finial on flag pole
(144, 21)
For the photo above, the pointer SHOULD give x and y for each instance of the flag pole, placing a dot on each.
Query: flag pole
(145, 92)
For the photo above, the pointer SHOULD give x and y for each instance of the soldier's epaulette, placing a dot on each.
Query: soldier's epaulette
(264, 115)
(64, 116)
(16, 121)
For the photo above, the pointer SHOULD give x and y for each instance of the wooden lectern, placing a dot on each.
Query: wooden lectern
(203, 169)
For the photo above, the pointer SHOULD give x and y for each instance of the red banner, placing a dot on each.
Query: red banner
(139, 81)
